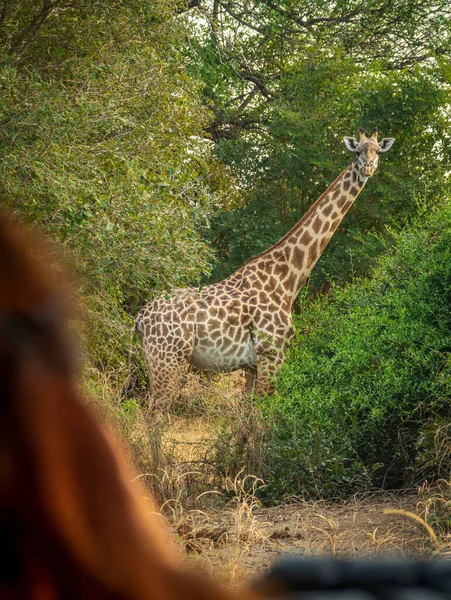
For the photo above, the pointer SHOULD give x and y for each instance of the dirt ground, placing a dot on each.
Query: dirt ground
(243, 539)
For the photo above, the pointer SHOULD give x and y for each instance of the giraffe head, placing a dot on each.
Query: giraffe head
(367, 151)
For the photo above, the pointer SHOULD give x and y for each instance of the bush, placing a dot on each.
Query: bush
(368, 372)
(102, 145)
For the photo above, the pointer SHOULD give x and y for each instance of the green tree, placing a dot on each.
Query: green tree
(286, 80)
(102, 145)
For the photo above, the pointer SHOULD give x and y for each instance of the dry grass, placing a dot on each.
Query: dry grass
(244, 538)
(184, 456)
(193, 463)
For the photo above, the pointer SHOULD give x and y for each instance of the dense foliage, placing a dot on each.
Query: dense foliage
(368, 378)
(102, 145)
(286, 80)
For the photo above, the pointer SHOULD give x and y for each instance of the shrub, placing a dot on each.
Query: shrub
(102, 145)
(367, 374)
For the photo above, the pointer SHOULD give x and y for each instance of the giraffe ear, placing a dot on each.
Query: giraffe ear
(351, 143)
(386, 144)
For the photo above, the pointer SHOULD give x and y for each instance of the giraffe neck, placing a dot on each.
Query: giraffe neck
(284, 268)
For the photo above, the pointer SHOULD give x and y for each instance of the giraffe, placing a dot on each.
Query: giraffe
(244, 322)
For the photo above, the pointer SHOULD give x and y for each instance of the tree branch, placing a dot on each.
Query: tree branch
(28, 35)
(3, 13)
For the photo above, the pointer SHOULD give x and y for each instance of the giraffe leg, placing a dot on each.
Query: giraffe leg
(251, 374)
(167, 347)
(270, 352)
(267, 367)
(167, 379)
(265, 383)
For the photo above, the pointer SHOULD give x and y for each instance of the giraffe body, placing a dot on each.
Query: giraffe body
(244, 322)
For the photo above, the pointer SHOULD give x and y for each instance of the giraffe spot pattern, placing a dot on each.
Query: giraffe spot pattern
(316, 225)
(312, 254)
(305, 238)
(298, 257)
(327, 210)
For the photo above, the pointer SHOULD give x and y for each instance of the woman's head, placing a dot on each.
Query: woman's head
(69, 520)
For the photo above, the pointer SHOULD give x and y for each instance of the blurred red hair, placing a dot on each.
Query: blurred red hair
(70, 524)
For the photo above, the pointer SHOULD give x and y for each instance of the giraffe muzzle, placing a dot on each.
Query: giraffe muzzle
(367, 171)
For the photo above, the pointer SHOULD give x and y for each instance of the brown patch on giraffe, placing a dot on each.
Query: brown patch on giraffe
(336, 193)
(278, 255)
(257, 285)
(214, 335)
(316, 225)
(298, 257)
(335, 224)
(222, 313)
(285, 318)
(281, 270)
(268, 288)
(312, 254)
(341, 201)
(347, 205)
(235, 305)
(262, 298)
(323, 244)
(245, 319)
(237, 335)
(186, 328)
(354, 191)
(326, 227)
(347, 175)
(291, 280)
(346, 185)
(227, 331)
(233, 320)
(276, 296)
(354, 176)
(334, 215)
(201, 332)
(213, 311)
(306, 238)
(327, 210)
(293, 240)
(286, 253)
(214, 324)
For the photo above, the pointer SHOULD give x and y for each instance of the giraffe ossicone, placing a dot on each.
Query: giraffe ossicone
(244, 321)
